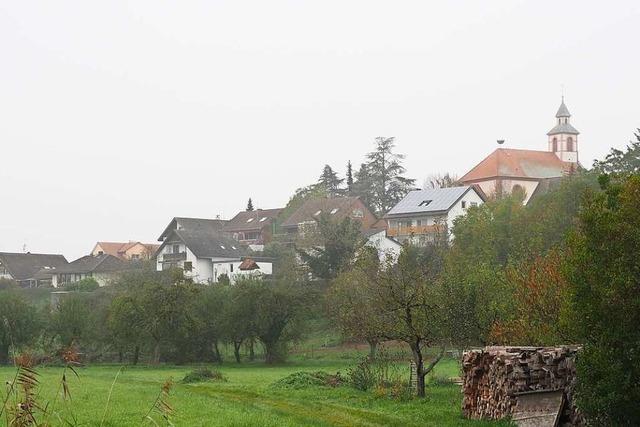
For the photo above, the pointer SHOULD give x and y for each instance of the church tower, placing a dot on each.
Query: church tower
(563, 138)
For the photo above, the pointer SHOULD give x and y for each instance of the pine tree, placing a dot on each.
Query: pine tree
(250, 205)
(363, 185)
(330, 181)
(349, 177)
(387, 175)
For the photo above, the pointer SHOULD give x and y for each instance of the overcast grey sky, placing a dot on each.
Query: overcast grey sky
(116, 116)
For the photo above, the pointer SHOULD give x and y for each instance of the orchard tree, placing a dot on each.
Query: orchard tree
(385, 169)
(18, 323)
(603, 269)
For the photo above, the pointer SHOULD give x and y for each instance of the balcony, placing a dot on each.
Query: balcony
(416, 230)
(180, 256)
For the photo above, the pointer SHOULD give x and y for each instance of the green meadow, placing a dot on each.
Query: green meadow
(246, 398)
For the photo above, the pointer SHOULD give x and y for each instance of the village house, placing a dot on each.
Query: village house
(103, 268)
(205, 253)
(30, 270)
(385, 245)
(130, 251)
(507, 170)
(304, 219)
(253, 228)
(422, 216)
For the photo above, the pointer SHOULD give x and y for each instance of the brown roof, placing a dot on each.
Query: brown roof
(118, 249)
(251, 220)
(508, 162)
(341, 206)
(248, 264)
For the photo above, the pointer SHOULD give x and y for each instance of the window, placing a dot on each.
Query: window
(234, 248)
(418, 222)
(250, 219)
(263, 219)
(334, 210)
(358, 213)
(135, 256)
(569, 144)
(100, 252)
(187, 266)
(473, 204)
(222, 247)
(555, 144)
(176, 249)
(464, 205)
(317, 213)
(231, 266)
(425, 203)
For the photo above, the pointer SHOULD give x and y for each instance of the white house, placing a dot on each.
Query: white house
(205, 253)
(386, 246)
(424, 215)
(104, 268)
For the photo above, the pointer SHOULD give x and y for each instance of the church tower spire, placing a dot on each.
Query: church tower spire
(563, 138)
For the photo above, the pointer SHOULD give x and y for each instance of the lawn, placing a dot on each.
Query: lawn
(246, 399)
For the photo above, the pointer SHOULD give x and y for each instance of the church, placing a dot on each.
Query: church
(531, 171)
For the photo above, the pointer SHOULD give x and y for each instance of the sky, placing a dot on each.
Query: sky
(117, 116)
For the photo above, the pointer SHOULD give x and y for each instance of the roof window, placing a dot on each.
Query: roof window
(425, 203)
(263, 219)
(334, 210)
(222, 247)
(317, 213)
(250, 219)
(233, 247)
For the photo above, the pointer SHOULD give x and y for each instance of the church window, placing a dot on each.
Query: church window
(569, 144)
(555, 144)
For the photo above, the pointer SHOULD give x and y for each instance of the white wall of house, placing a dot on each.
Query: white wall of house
(460, 208)
(384, 245)
(103, 279)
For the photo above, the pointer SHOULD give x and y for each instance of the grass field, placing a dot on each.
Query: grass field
(246, 399)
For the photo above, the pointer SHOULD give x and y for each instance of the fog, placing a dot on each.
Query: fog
(117, 116)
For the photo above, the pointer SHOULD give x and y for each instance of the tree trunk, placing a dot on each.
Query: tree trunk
(136, 355)
(252, 355)
(156, 353)
(4, 355)
(216, 352)
(120, 356)
(373, 346)
(418, 359)
(271, 353)
(236, 350)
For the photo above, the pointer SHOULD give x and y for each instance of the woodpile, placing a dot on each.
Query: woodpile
(493, 376)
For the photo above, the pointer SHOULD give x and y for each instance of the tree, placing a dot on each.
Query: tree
(210, 313)
(441, 181)
(18, 323)
(621, 162)
(351, 305)
(363, 186)
(603, 269)
(126, 324)
(387, 175)
(330, 182)
(250, 205)
(335, 245)
(349, 178)
(74, 320)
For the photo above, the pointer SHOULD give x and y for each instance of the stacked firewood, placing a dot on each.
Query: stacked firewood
(493, 376)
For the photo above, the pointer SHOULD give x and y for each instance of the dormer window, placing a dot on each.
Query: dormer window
(317, 213)
(250, 219)
(425, 203)
(334, 210)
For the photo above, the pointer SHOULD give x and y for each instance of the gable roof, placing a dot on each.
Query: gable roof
(194, 224)
(118, 249)
(438, 200)
(252, 220)
(207, 243)
(341, 206)
(27, 266)
(104, 263)
(512, 163)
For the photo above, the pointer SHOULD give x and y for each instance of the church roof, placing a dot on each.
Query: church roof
(563, 111)
(508, 162)
(563, 128)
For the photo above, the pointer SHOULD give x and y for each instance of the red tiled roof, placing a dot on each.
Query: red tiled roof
(508, 162)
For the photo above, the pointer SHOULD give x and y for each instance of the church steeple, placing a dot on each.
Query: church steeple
(563, 138)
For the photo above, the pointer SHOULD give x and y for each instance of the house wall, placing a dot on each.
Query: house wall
(137, 251)
(457, 210)
(489, 186)
(384, 245)
(219, 268)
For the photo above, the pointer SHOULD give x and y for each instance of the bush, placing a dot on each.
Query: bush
(87, 284)
(303, 379)
(7, 284)
(362, 376)
(202, 375)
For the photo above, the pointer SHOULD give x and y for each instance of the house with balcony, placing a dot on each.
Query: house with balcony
(205, 253)
(423, 216)
(253, 228)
